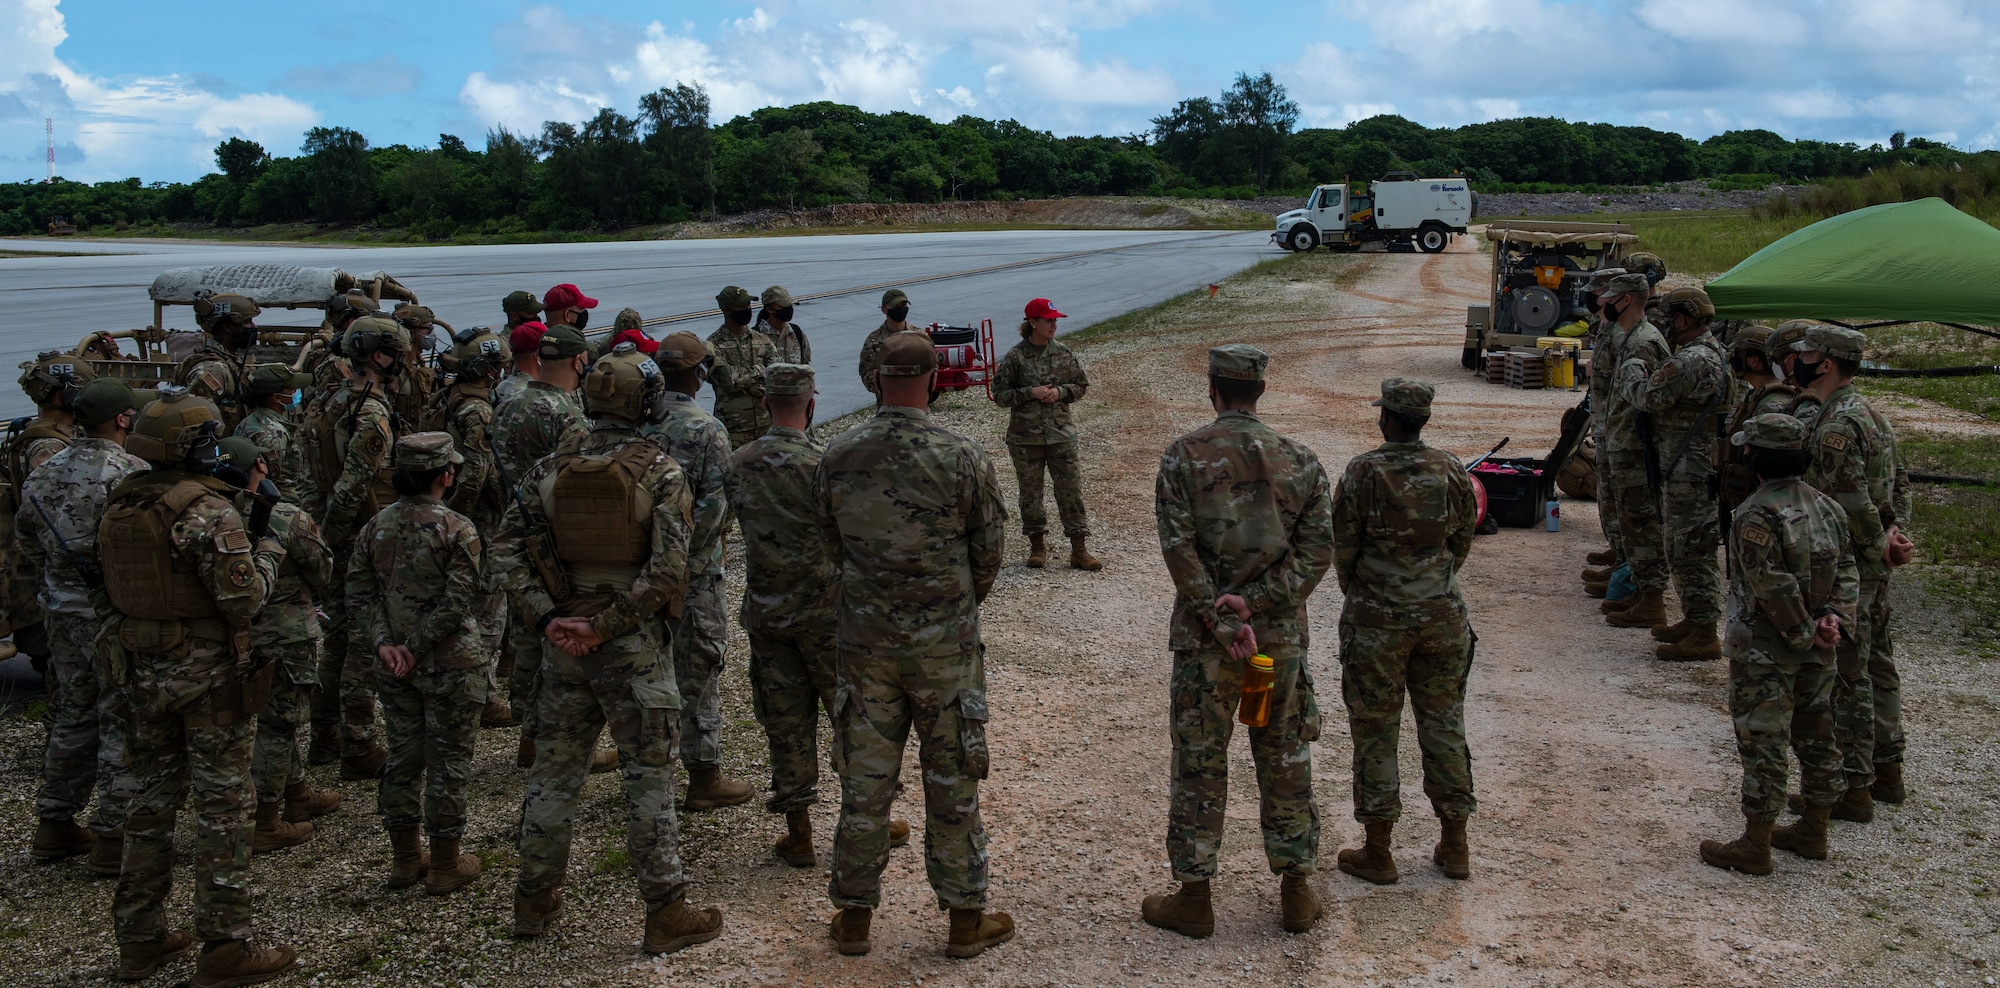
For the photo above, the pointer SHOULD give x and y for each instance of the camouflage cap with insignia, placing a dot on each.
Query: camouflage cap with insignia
(776, 297)
(1771, 430)
(680, 351)
(907, 355)
(562, 341)
(426, 451)
(734, 297)
(1837, 341)
(238, 452)
(520, 304)
(1614, 282)
(1789, 337)
(893, 297)
(271, 379)
(788, 379)
(1405, 396)
(102, 400)
(628, 319)
(1237, 362)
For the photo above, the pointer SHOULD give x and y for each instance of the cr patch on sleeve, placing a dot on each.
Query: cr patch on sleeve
(1756, 536)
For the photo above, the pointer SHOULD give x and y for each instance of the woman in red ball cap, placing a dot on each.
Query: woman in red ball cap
(1037, 380)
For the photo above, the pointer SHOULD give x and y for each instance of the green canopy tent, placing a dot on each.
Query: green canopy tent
(1898, 262)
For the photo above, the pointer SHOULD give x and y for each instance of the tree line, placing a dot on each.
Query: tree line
(668, 162)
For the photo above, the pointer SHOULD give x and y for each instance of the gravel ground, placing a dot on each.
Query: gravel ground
(1598, 769)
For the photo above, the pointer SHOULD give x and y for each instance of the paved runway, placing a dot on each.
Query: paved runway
(51, 302)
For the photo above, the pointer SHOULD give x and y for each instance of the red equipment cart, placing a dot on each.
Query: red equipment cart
(964, 356)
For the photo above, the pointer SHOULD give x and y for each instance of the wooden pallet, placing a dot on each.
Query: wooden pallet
(1526, 370)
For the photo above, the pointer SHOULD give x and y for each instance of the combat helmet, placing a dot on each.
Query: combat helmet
(372, 333)
(624, 384)
(1754, 338)
(226, 317)
(56, 377)
(178, 429)
(1648, 264)
(476, 353)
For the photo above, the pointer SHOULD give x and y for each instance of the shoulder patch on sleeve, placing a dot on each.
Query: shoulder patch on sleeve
(233, 541)
(241, 572)
(1757, 535)
(1834, 441)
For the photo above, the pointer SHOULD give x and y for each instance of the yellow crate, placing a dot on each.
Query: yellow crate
(1557, 343)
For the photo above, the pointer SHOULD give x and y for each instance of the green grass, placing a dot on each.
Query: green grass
(1704, 243)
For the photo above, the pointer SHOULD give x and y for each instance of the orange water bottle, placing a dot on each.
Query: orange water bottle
(1258, 675)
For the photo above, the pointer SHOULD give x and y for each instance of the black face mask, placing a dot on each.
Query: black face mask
(737, 317)
(582, 320)
(779, 315)
(899, 313)
(1804, 374)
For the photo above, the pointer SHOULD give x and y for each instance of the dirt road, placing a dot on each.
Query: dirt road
(1598, 769)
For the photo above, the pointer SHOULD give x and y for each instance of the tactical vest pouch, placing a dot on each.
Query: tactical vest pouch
(599, 512)
(548, 568)
(144, 577)
(153, 637)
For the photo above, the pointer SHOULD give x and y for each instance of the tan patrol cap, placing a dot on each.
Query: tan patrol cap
(776, 297)
(907, 355)
(788, 379)
(680, 351)
(1405, 396)
(1238, 362)
(426, 451)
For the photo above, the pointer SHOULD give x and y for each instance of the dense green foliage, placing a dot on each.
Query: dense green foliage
(669, 163)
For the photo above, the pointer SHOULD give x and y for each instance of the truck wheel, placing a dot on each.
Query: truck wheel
(1302, 238)
(1432, 239)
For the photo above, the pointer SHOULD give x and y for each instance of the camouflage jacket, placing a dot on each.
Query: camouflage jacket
(1403, 516)
(1854, 462)
(1032, 421)
(871, 351)
(788, 581)
(271, 432)
(1692, 380)
(214, 373)
(910, 513)
(1737, 480)
(291, 616)
(790, 343)
(71, 488)
(741, 354)
(476, 493)
(31, 447)
(619, 600)
(1242, 510)
(363, 434)
(532, 426)
(1640, 350)
(1793, 563)
(700, 444)
(512, 386)
(415, 580)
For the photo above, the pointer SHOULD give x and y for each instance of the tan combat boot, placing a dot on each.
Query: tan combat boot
(274, 833)
(1888, 787)
(1186, 912)
(1595, 575)
(1371, 862)
(107, 858)
(1038, 552)
(496, 714)
(1606, 556)
(233, 963)
(407, 861)
(1856, 806)
(1451, 855)
(1807, 837)
(450, 870)
(674, 926)
(1298, 904)
(899, 831)
(1596, 590)
(604, 760)
(139, 961)
(1609, 606)
(534, 914)
(974, 930)
(304, 803)
(796, 847)
(55, 840)
(850, 930)
(1750, 853)
(325, 746)
(708, 790)
(1080, 557)
(364, 767)
(1647, 608)
(1673, 632)
(1701, 644)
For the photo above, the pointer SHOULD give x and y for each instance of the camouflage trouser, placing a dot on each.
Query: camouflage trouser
(1206, 688)
(791, 678)
(524, 683)
(879, 699)
(1868, 693)
(1064, 474)
(492, 619)
(1429, 663)
(1780, 707)
(1693, 530)
(346, 673)
(1640, 536)
(698, 652)
(1607, 500)
(430, 720)
(87, 731)
(627, 687)
(278, 762)
(743, 417)
(171, 753)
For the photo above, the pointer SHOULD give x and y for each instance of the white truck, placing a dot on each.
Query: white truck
(1400, 211)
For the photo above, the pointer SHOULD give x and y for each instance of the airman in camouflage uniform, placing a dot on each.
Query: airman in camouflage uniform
(910, 512)
(895, 319)
(524, 336)
(54, 380)
(1683, 395)
(270, 429)
(414, 588)
(185, 579)
(607, 626)
(61, 505)
(700, 444)
(1792, 592)
(1762, 393)
(790, 595)
(1402, 528)
(1038, 380)
(1246, 528)
(285, 635)
(217, 370)
(741, 354)
(1640, 350)
(1603, 381)
(774, 320)
(1854, 462)
(478, 357)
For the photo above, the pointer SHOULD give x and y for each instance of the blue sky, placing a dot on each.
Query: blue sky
(148, 89)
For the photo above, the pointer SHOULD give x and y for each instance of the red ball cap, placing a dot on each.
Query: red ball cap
(1041, 309)
(526, 337)
(567, 297)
